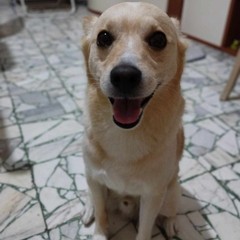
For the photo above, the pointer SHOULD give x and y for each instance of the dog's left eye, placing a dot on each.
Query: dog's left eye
(157, 40)
(104, 39)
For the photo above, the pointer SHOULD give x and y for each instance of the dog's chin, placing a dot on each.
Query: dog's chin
(127, 112)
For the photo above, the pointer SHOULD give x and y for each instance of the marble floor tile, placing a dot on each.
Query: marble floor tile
(232, 228)
(42, 175)
(206, 188)
(19, 210)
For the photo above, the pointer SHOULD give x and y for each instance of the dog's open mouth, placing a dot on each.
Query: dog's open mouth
(127, 112)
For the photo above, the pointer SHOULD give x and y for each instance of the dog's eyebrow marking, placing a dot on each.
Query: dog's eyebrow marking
(130, 44)
(129, 54)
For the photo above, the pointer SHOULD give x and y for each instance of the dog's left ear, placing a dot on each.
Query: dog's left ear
(182, 40)
(176, 23)
(88, 23)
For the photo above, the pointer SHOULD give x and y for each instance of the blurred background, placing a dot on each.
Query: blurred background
(42, 92)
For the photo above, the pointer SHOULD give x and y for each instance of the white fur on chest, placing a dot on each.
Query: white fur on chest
(117, 170)
(125, 147)
(117, 179)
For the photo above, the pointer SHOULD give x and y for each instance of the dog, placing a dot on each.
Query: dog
(134, 54)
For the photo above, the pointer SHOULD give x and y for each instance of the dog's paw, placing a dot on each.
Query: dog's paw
(170, 226)
(87, 214)
(99, 237)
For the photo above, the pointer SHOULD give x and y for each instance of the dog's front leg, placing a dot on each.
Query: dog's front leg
(149, 210)
(98, 193)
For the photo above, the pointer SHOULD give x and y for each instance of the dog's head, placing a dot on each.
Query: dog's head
(132, 50)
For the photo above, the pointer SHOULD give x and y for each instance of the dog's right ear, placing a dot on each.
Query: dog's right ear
(88, 23)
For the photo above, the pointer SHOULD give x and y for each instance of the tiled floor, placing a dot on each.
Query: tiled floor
(42, 183)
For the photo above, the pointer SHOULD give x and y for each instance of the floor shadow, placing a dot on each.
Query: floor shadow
(9, 159)
(4, 144)
(11, 27)
(233, 98)
(6, 59)
(191, 220)
(7, 145)
(7, 29)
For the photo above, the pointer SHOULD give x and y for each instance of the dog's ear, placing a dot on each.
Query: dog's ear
(182, 40)
(182, 46)
(176, 23)
(88, 23)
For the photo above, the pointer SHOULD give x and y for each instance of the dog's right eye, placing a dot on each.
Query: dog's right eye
(104, 39)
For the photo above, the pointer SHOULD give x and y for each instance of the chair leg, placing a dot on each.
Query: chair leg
(73, 6)
(24, 7)
(232, 80)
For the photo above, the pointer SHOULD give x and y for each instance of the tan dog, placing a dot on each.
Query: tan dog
(134, 138)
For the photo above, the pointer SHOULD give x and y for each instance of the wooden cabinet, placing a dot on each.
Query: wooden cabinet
(205, 19)
(101, 5)
(216, 22)
(163, 4)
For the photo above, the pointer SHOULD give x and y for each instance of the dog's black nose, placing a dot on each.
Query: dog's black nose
(125, 78)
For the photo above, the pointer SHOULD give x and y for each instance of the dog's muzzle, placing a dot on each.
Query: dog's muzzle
(127, 110)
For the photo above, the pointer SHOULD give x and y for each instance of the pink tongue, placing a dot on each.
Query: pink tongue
(127, 111)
